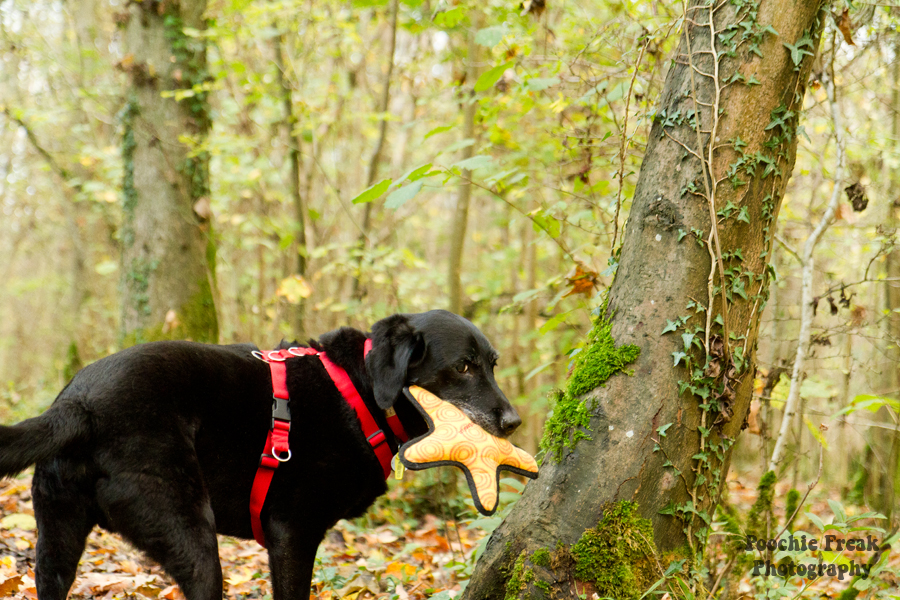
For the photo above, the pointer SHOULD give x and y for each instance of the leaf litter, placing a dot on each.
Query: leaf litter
(402, 559)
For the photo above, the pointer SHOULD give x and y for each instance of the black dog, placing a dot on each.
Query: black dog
(160, 443)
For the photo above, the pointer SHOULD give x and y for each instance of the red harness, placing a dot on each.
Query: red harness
(277, 448)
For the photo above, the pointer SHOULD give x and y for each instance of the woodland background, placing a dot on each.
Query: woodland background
(534, 116)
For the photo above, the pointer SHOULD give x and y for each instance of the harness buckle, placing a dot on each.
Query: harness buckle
(281, 410)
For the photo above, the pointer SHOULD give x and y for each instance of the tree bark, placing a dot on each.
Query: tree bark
(384, 104)
(299, 203)
(461, 214)
(669, 279)
(168, 255)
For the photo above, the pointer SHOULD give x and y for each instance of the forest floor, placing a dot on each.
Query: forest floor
(407, 560)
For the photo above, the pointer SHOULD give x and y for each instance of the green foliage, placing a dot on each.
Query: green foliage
(616, 555)
(519, 578)
(761, 519)
(541, 558)
(791, 504)
(599, 360)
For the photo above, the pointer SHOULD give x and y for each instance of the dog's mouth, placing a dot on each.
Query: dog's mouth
(484, 421)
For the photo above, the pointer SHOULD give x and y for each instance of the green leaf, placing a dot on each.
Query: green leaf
(401, 196)
(868, 402)
(539, 84)
(617, 93)
(490, 36)
(415, 173)
(538, 369)
(438, 130)
(553, 323)
(678, 356)
(661, 430)
(670, 326)
(815, 386)
(476, 162)
(816, 433)
(838, 510)
(547, 224)
(373, 192)
(492, 76)
(449, 18)
(815, 520)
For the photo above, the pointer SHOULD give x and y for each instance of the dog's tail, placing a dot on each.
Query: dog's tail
(41, 438)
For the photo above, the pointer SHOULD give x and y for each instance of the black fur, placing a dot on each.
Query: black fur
(160, 442)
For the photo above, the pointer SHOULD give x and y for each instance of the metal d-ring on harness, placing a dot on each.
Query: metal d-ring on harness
(277, 449)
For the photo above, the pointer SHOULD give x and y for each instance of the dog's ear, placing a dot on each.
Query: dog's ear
(396, 346)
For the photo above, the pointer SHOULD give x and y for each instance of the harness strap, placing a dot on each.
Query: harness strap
(277, 448)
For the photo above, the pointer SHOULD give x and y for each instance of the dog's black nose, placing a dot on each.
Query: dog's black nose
(509, 421)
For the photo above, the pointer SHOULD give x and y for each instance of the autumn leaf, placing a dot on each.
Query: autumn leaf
(845, 25)
(8, 586)
(293, 289)
(582, 282)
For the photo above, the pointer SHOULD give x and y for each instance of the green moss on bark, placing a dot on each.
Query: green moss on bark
(541, 558)
(760, 514)
(518, 581)
(597, 362)
(195, 320)
(616, 555)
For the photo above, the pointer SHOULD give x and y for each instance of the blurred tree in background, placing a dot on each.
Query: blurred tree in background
(374, 156)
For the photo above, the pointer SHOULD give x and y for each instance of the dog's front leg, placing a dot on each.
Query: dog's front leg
(292, 554)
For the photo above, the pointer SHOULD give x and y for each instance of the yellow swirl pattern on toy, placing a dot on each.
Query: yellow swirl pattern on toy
(455, 438)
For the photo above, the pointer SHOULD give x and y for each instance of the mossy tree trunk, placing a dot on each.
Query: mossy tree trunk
(168, 254)
(661, 438)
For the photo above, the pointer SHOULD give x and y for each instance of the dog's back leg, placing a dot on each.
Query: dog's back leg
(64, 508)
(292, 549)
(168, 516)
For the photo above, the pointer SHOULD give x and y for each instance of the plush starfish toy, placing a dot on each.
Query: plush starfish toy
(453, 439)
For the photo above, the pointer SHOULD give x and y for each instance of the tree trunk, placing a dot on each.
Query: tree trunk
(662, 437)
(461, 213)
(168, 255)
(293, 137)
(882, 492)
(384, 104)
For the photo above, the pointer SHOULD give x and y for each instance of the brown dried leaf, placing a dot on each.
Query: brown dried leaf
(582, 282)
(9, 586)
(846, 26)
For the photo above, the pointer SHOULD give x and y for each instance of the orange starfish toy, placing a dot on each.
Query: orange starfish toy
(453, 439)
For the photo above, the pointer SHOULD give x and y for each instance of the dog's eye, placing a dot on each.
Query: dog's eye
(464, 368)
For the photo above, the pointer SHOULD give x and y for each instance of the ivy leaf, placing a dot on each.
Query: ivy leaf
(678, 356)
(797, 52)
(661, 430)
(373, 192)
(399, 197)
(670, 326)
(492, 76)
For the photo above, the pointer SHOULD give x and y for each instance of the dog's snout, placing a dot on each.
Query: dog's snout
(509, 421)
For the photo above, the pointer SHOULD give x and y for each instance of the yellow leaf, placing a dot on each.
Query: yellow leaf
(294, 288)
(18, 521)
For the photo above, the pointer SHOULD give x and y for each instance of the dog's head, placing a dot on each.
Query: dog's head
(448, 356)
